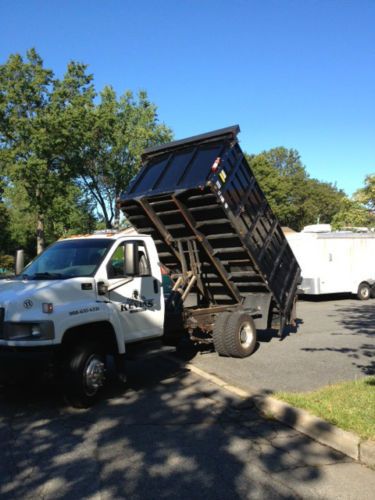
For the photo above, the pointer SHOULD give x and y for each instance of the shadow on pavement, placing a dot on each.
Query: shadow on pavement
(326, 297)
(359, 321)
(168, 435)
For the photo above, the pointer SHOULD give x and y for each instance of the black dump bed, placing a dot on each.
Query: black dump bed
(198, 197)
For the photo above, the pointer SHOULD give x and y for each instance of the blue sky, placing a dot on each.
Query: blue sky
(293, 73)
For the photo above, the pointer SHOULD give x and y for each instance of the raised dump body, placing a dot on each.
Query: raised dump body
(201, 203)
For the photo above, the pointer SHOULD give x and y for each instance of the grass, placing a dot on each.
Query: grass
(349, 405)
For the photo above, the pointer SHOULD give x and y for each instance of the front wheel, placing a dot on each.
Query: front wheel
(240, 338)
(84, 374)
(364, 291)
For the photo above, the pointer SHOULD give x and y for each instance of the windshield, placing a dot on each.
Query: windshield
(68, 259)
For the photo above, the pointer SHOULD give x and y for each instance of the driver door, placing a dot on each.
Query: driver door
(134, 292)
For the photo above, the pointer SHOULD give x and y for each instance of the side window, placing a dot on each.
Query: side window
(143, 262)
(116, 265)
(115, 268)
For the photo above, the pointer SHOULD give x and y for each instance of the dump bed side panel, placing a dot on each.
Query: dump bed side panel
(200, 197)
(258, 227)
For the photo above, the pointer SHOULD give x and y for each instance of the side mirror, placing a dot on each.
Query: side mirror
(131, 267)
(102, 288)
(19, 262)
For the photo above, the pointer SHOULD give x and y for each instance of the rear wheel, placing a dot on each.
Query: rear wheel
(84, 374)
(240, 338)
(219, 332)
(364, 291)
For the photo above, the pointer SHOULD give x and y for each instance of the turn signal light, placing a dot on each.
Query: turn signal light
(47, 308)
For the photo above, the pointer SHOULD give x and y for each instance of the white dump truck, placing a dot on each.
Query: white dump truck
(201, 215)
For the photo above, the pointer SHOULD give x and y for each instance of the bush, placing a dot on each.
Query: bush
(6, 264)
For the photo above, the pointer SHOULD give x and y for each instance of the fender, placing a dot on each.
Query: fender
(102, 331)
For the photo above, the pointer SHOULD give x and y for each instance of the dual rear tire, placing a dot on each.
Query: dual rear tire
(234, 334)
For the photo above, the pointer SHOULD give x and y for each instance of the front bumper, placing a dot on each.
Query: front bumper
(16, 363)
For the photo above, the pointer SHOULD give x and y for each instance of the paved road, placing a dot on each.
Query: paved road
(335, 341)
(169, 435)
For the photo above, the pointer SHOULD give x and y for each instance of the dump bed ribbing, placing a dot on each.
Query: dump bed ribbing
(201, 203)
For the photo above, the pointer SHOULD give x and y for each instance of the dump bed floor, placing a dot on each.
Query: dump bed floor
(199, 198)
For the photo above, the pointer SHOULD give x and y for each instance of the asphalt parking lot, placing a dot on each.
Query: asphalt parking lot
(334, 341)
(171, 434)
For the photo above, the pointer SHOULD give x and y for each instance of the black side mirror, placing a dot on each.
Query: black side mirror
(131, 267)
(19, 262)
(102, 288)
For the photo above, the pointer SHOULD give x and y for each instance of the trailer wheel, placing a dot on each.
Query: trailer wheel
(364, 291)
(240, 338)
(219, 332)
(84, 374)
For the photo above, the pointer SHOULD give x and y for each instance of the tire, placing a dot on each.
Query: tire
(84, 374)
(364, 291)
(240, 338)
(219, 332)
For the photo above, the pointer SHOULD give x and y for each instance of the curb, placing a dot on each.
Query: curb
(314, 427)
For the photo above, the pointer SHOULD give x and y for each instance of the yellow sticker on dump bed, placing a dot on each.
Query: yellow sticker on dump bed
(223, 175)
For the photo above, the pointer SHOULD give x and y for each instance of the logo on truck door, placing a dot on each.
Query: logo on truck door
(136, 305)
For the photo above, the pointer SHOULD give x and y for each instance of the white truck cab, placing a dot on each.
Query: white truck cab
(82, 298)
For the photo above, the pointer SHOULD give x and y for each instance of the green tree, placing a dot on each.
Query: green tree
(41, 129)
(22, 220)
(366, 195)
(321, 202)
(118, 130)
(296, 199)
(359, 211)
(69, 214)
(352, 214)
(4, 225)
(5, 245)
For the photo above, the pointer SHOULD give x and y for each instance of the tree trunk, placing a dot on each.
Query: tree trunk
(40, 243)
(117, 211)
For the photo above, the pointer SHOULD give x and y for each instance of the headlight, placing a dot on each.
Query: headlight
(43, 330)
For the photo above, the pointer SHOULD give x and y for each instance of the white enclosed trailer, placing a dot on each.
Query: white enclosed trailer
(335, 262)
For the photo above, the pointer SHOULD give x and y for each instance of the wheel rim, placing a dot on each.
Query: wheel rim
(246, 335)
(94, 374)
(365, 292)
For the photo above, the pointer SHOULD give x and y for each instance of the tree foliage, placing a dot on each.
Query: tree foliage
(63, 152)
(66, 154)
(39, 128)
(296, 199)
(118, 130)
(69, 214)
(4, 225)
(352, 214)
(366, 195)
(360, 210)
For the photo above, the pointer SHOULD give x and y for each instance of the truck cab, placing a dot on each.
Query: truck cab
(81, 299)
